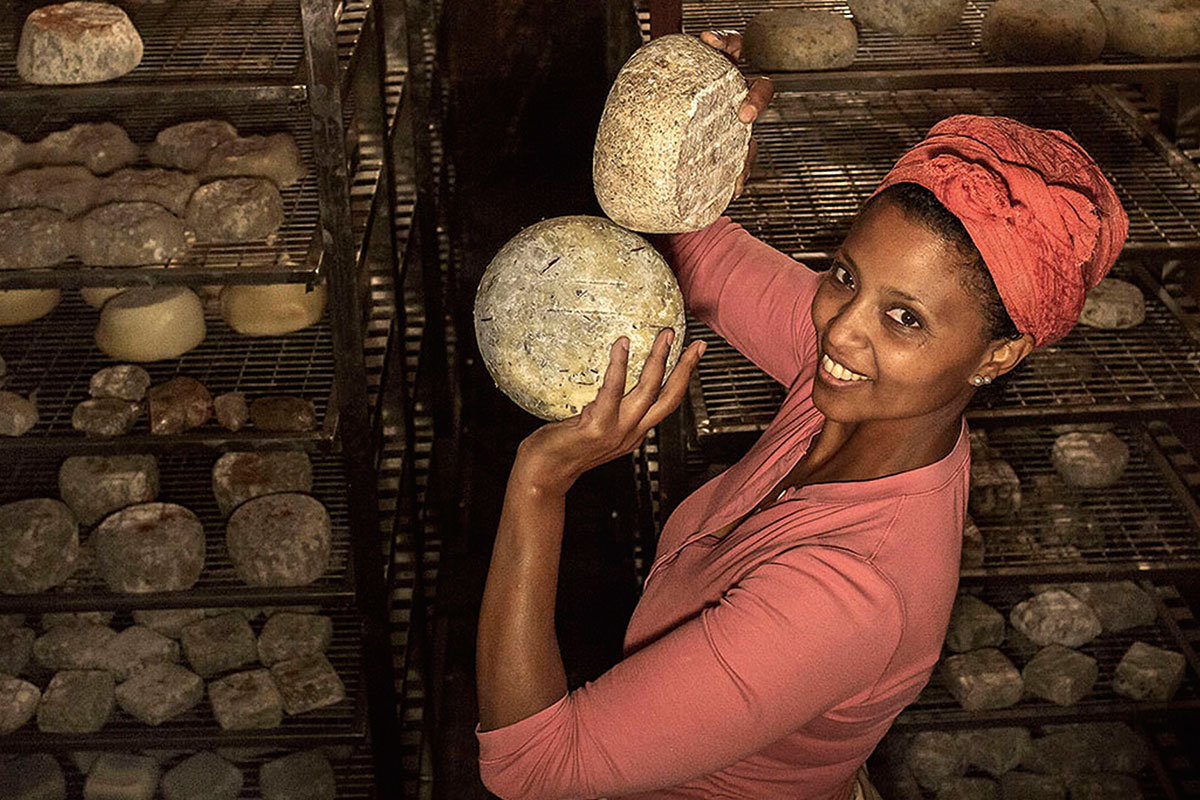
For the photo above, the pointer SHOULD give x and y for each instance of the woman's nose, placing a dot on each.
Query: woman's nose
(848, 328)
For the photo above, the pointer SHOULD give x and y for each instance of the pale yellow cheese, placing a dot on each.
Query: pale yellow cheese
(151, 324)
(272, 309)
(25, 305)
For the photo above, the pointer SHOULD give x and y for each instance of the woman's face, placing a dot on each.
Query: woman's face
(898, 337)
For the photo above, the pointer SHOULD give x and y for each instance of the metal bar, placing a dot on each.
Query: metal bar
(666, 16)
(345, 310)
(101, 96)
(975, 77)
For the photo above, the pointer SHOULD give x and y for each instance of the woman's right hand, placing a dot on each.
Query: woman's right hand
(757, 98)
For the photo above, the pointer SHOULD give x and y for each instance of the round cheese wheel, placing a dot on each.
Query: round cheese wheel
(25, 305)
(670, 147)
(276, 157)
(95, 486)
(241, 476)
(71, 189)
(149, 547)
(235, 210)
(556, 297)
(1113, 304)
(1090, 460)
(39, 545)
(151, 324)
(1153, 28)
(77, 42)
(272, 309)
(791, 39)
(99, 146)
(31, 238)
(129, 235)
(97, 296)
(908, 17)
(1044, 31)
(187, 145)
(280, 539)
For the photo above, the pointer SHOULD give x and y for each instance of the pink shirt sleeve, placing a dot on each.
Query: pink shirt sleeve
(751, 294)
(795, 637)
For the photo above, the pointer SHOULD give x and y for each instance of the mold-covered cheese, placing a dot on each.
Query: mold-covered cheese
(1044, 31)
(556, 297)
(792, 39)
(1153, 28)
(77, 42)
(908, 17)
(670, 146)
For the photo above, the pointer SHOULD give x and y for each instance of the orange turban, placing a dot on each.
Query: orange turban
(1045, 219)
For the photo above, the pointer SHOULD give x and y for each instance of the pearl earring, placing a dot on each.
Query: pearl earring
(977, 380)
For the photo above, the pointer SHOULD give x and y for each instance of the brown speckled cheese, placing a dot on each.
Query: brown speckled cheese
(169, 188)
(129, 235)
(556, 297)
(95, 486)
(12, 152)
(188, 145)
(235, 210)
(791, 39)
(39, 545)
(77, 42)
(276, 157)
(280, 540)
(1044, 31)
(1113, 304)
(69, 189)
(149, 547)
(908, 17)
(1153, 28)
(99, 146)
(31, 238)
(240, 476)
(1090, 460)
(670, 147)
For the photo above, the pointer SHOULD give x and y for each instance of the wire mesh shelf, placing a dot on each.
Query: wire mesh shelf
(936, 707)
(354, 773)
(188, 44)
(186, 480)
(1152, 367)
(55, 358)
(954, 57)
(822, 154)
(291, 254)
(1147, 521)
(341, 723)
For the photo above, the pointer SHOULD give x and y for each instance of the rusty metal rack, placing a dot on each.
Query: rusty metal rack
(822, 154)
(888, 61)
(341, 723)
(236, 50)
(1153, 367)
(1176, 629)
(187, 481)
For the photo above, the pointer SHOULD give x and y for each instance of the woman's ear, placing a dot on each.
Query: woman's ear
(1004, 355)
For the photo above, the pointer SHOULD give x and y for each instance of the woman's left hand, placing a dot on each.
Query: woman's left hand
(553, 457)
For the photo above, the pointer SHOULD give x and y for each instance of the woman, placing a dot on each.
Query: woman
(797, 602)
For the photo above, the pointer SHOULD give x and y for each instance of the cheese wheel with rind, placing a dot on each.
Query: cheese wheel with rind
(908, 17)
(144, 324)
(1153, 28)
(670, 147)
(272, 309)
(1044, 31)
(556, 297)
(18, 306)
(77, 42)
(793, 40)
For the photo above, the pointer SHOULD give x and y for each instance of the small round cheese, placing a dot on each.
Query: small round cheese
(151, 324)
(792, 39)
(149, 547)
(100, 146)
(187, 145)
(77, 42)
(1090, 460)
(908, 17)
(129, 235)
(1113, 304)
(272, 309)
(1044, 31)
(670, 147)
(556, 297)
(1153, 28)
(234, 210)
(39, 545)
(31, 238)
(282, 539)
(25, 305)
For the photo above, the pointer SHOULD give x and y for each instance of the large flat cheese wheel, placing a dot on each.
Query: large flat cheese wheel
(908, 17)
(1044, 31)
(151, 324)
(77, 42)
(1153, 28)
(670, 146)
(556, 297)
(272, 309)
(25, 305)
(792, 39)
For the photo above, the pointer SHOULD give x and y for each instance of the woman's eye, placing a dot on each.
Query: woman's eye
(843, 276)
(905, 317)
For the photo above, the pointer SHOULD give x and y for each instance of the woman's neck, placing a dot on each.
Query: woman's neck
(855, 451)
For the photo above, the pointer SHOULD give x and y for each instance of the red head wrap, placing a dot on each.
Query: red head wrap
(1045, 219)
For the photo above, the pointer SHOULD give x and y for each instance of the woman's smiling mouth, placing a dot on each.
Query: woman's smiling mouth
(840, 372)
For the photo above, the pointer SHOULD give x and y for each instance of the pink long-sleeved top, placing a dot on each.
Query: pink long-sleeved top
(767, 663)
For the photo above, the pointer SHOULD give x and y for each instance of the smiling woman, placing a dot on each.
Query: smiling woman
(798, 601)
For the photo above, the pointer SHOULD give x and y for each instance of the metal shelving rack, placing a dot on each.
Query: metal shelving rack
(825, 143)
(321, 71)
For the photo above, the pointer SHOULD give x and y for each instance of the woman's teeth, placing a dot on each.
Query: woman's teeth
(838, 371)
